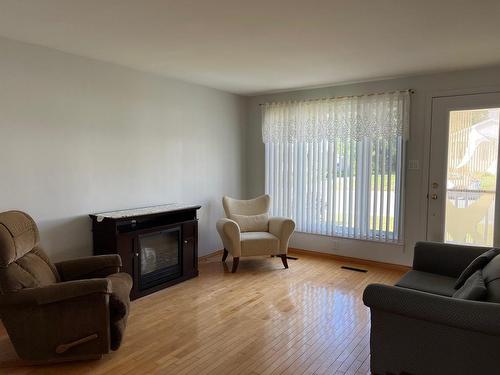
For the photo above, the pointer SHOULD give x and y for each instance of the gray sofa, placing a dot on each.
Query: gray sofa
(418, 328)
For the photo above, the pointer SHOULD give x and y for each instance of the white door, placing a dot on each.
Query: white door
(463, 185)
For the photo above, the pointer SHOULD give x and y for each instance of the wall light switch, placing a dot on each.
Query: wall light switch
(413, 165)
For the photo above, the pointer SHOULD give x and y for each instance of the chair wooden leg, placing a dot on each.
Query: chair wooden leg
(284, 260)
(236, 261)
(224, 256)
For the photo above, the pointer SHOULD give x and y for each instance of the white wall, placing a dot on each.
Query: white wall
(426, 87)
(79, 136)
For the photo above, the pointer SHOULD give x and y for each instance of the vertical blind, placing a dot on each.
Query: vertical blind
(336, 165)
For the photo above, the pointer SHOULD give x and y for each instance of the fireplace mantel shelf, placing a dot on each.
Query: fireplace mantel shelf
(144, 211)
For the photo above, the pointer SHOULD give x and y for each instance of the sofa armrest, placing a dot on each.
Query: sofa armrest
(229, 231)
(463, 314)
(444, 259)
(282, 228)
(89, 267)
(53, 293)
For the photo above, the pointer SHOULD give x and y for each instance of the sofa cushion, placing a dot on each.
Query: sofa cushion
(252, 223)
(119, 306)
(491, 276)
(259, 243)
(473, 288)
(477, 264)
(428, 282)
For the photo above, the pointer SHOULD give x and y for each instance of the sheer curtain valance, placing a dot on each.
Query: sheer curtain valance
(368, 116)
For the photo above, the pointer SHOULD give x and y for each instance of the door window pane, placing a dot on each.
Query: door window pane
(471, 176)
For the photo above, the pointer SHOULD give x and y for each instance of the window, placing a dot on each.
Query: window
(472, 176)
(336, 165)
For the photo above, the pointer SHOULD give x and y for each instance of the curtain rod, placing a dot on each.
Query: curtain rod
(411, 91)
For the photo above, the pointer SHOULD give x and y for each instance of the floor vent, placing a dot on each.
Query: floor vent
(353, 269)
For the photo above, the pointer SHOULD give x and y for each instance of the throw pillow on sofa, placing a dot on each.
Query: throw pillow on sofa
(477, 264)
(491, 276)
(474, 288)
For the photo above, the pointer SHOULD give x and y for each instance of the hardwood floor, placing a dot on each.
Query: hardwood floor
(264, 319)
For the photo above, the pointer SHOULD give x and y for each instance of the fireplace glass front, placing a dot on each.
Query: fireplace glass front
(159, 257)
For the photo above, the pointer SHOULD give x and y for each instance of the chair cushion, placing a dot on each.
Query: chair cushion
(259, 243)
(119, 306)
(428, 282)
(252, 223)
(477, 264)
(491, 276)
(473, 288)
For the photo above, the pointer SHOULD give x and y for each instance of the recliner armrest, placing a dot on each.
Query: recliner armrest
(463, 314)
(55, 292)
(89, 267)
(444, 259)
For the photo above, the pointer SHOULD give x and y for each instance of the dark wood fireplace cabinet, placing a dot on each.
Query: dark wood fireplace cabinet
(158, 245)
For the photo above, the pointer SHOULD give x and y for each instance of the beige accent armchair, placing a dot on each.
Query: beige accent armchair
(249, 231)
(71, 310)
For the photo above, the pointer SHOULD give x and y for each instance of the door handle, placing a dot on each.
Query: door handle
(434, 196)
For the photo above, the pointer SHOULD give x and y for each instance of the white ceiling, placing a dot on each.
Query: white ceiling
(253, 46)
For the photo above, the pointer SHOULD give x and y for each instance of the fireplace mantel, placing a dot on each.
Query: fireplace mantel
(147, 239)
(145, 211)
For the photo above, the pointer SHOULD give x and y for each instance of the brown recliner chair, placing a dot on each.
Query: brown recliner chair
(70, 310)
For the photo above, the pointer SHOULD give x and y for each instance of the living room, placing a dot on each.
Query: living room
(324, 175)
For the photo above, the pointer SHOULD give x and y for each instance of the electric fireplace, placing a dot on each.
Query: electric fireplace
(158, 245)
